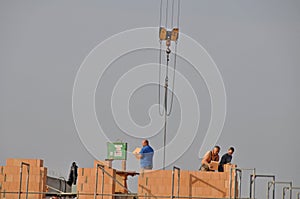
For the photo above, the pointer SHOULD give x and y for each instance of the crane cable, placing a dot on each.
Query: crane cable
(161, 112)
(168, 36)
(160, 55)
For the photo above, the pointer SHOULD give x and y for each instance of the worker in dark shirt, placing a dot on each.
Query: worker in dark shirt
(73, 174)
(226, 158)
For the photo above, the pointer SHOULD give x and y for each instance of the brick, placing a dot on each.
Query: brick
(215, 176)
(150, 181)
(204, 192)
(218, 193)
(217, 187)
(81, 172)
(1, 170)
(196, 191)
(165, 181)
(100, 162)
(196, 181)
(206, 175)
(224, 175)
(163, 173)
(12, 186)
(44, 170)
(10, 195)
(228, 166)
(87, 179)
(165, 190)
(13, 170)
(121, 179)
(226, 184)
(185, 181)
(17, 162)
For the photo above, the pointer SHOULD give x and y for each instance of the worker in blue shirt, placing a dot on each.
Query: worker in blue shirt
(146, 156)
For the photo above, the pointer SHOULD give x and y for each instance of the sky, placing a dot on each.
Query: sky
(254, 45)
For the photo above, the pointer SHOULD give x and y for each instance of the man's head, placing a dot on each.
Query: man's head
(216, 150)
(230, 150)
(145, 142)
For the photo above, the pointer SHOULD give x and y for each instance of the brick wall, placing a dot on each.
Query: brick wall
(10, 178)
(192, 183)
(87, 180)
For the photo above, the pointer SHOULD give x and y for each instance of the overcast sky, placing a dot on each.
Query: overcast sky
(255, 45)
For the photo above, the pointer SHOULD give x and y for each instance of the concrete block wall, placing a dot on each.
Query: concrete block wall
(192, 183)
(86, 182)
(10, 178)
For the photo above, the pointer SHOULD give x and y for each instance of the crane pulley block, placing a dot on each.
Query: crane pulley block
(165, 34)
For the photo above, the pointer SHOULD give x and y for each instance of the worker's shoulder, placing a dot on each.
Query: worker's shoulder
(147, 149)
(226, 155)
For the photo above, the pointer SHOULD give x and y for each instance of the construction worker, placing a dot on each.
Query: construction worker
(209, 156)
(73, 174)
(226, 159)
(146, 156)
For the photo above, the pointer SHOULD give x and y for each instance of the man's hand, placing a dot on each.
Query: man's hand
(138, 156)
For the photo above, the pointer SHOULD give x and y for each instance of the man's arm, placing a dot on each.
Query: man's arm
(206, 158)
(223, 160)
(138, 156)
(228, 160)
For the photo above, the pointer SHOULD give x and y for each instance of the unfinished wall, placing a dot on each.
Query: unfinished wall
(86, 182)
(192, 183)
(10, 178)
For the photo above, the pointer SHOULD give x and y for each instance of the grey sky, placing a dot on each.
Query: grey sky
(255, 45)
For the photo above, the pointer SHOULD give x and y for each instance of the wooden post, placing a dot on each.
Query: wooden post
(124, 165)
(109, 162)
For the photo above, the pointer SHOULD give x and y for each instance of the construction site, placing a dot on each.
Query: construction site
(28, 179)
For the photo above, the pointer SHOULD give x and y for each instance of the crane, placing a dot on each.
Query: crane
(168, 35)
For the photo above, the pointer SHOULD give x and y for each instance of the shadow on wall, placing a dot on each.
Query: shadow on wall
(195, 182)
(148, 192)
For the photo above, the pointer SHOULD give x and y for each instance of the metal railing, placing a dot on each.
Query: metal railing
(252, 184)
(42, 193)
(65, 183)
(283, 191)
(113, 195)
(253, 177)
(178, 181)
(291, 189)
(27, 179)
(151, 196)
(236, 171)
(108, 174)
(54, 189)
